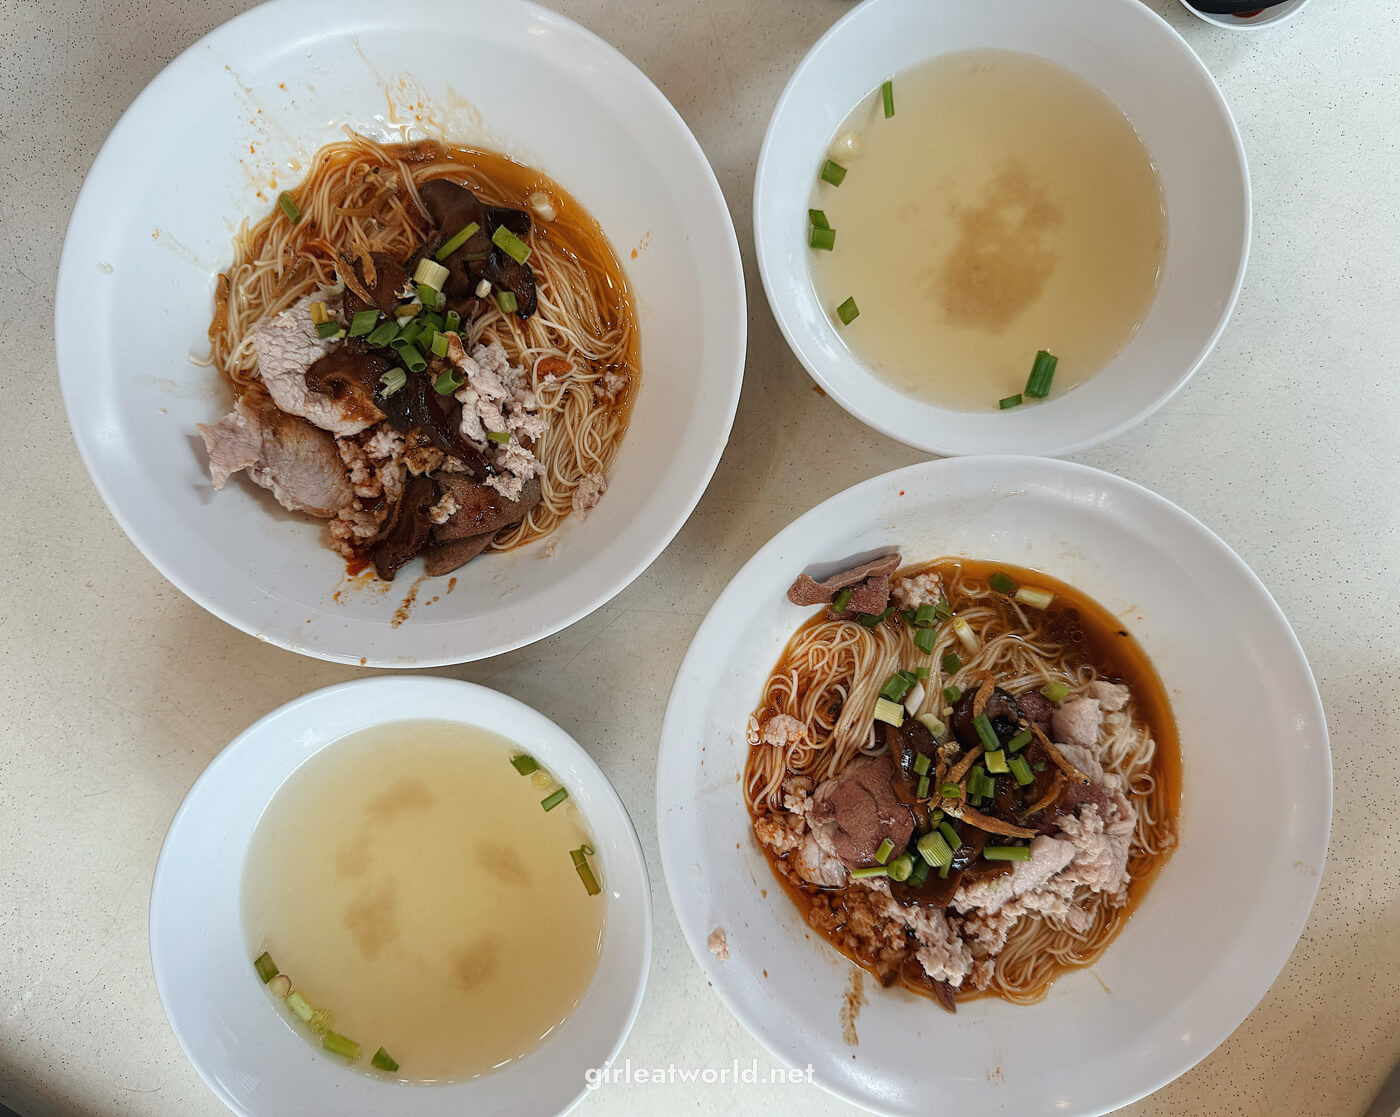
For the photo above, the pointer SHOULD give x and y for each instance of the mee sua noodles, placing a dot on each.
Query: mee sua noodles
(431, 348)
(965, 775)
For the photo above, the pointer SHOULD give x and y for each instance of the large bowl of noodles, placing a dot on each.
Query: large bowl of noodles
(1229, 893)
(241, 117)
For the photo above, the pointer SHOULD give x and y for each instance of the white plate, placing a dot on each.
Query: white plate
(230, 1029)
(1219, 922)
(154, 224)
(1125, 49)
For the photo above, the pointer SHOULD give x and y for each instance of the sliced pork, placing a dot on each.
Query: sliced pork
(287, 346)
(297, 462)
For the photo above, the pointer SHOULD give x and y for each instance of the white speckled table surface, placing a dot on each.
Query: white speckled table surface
(118, 690)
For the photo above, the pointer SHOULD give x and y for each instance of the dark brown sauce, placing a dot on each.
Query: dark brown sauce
(1099, 638)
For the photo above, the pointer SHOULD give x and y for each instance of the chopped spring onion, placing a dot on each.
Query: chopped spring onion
(482, 288)
(384, 333)
(848, 312)
(943, 872)
(889, 712)
(318, 313)
(554, 798)
(363, 322)
(933, 849)
(327, 330)
(921, 764)
(873, 871)
(407, 310)
(996, 761)
(950, 791)
(921, 672)
(301, 1009)
(430, 297)
(1035, 598)
(392, 381)
(1001, 583)
(887, 96)
(964, 633)
(266, 967)
(842, 599)
(452, 321)
(924, 640)
(1006, 853)
(950, 835)
(510, 244)
(338, 1044)
(435, 320)
(919, 874)
(951, 663)
(932, 724)
(896, 687)
(870, 620)
(1018, 742)
(818, 219)
(943, 611)
(951, 694)
(1021, 771)
(584, 870)
(921, 791)
(507, 302)
(430, 273)
(501, 438)
(384, 1061)
(447, 382)
(1057, 691)
(883, 850)
(825, 239)
(1008, 402)
(935, 816)
(456, 241)
(289, 207)
(439, 346)
(1039, 766)
(413, 360)
(320, 1022)
(280, 986)
(524, 764)
(925, 616)
(833, 172)
(901, 868)
(1042, 373)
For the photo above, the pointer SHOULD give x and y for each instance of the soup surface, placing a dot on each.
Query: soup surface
(1008, 206)
(408, 882)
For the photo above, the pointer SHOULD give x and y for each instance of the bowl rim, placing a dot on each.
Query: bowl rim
(67, 322)
(1050, 445)
(677, 725)
(1252, 25)
(637, 870)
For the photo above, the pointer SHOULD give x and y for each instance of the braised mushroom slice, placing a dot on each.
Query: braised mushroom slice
(389, 278)
(412, 522)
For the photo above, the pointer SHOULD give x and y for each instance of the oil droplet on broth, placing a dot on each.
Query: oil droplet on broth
(1008, 206)
(408, 882)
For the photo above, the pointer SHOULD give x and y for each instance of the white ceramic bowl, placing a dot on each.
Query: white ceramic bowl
(1125, 49)
(154, 224)
(230, 1029)
(1269, 17)
(1218, 923)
